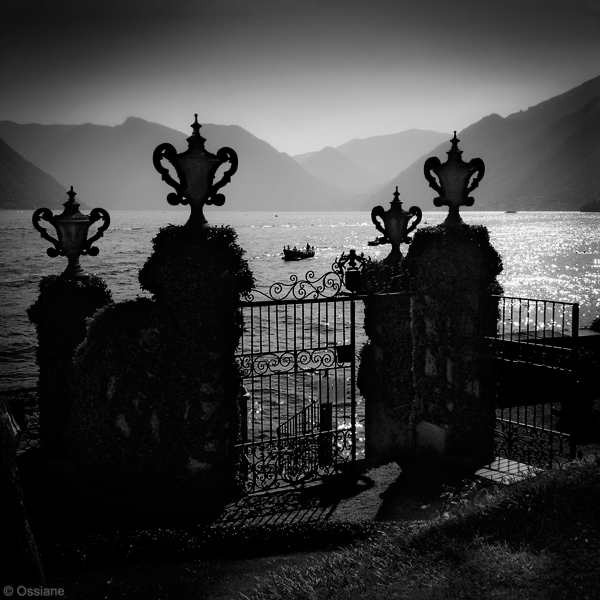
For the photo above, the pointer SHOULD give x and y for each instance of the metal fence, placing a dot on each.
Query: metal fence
(535, 347)
(297, 359)
(301, 408)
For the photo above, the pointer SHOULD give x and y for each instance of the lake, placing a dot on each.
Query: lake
(546, 255)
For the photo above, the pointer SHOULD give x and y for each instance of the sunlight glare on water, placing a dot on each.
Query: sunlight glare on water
(546, 255)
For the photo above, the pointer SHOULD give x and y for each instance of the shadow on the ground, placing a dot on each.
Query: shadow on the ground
(418, 492)
(315, 502)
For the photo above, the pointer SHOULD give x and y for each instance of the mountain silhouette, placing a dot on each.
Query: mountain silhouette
(332, 166)
(112, 167)
(25, 186)
(367, 164)
(544, 158)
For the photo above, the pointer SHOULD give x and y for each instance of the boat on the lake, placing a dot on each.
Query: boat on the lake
(378, 241)
(298, 254)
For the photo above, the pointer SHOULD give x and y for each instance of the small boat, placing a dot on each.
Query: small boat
(378, 241)
(295, 254)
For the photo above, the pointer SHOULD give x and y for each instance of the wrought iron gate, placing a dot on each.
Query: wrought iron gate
(535, 346)
(297, 360)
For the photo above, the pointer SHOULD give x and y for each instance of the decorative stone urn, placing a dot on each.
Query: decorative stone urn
(196, 169)
(394, 225)
(456, 181)
(72, 228)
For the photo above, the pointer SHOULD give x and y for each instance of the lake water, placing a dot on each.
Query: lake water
(546, 255)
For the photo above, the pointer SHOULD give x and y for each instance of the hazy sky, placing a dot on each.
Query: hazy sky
(300, 74)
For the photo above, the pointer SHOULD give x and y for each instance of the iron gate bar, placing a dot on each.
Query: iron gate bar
(353, 379)
(281, 360)
(533, 337)
(527, 332)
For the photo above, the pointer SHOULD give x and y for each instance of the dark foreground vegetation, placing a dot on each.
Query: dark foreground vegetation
(536, 539)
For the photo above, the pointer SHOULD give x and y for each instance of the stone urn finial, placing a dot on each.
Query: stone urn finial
(71, 228)
(196, 169)
(394, 224)
(455, 183)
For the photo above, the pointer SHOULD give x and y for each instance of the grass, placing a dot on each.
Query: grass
(536, 539)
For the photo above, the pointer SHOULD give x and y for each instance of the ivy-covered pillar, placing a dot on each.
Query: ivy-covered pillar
(385, 375)
(453, 271)
(386, 378)
(60, 314)
(157, 416)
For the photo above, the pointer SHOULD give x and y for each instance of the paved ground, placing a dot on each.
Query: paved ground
(384, 493)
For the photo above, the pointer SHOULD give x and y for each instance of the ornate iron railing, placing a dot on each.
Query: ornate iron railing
(297, 361)
(535, 346)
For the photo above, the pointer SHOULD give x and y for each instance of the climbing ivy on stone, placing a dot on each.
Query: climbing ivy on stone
(157, 417)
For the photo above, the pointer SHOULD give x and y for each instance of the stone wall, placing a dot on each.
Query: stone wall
(156, 417)
(426, 374)
(60, 315)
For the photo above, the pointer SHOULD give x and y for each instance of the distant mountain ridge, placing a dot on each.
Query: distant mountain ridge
(544, 158)
(367, 164)
(25, 186)
(332, 166)
(112, 167)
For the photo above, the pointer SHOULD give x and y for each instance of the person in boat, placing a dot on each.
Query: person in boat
(308, 247)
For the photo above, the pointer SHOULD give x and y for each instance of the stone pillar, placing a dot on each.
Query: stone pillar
(385, 376)
(157, 414)
(60, 316)
(451, 268)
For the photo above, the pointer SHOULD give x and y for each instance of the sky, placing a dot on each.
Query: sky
(299, 74)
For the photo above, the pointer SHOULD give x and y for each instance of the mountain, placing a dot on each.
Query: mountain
(25, 186)
(544, 158)
(365, 164)
(111, 167)
(332, 166)
(387, 155)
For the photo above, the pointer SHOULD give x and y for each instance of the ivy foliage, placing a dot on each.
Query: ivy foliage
(206, 259)
(157, 379)
(83, 296)
(443, 259)
(61, 313)
(380, 276)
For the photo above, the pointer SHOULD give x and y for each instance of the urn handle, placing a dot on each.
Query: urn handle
(225, 154)
(379, 213)
(47, 215)
(433, 163)
(95, 215)
(477, 168)
(168, 152)
(418, 215)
